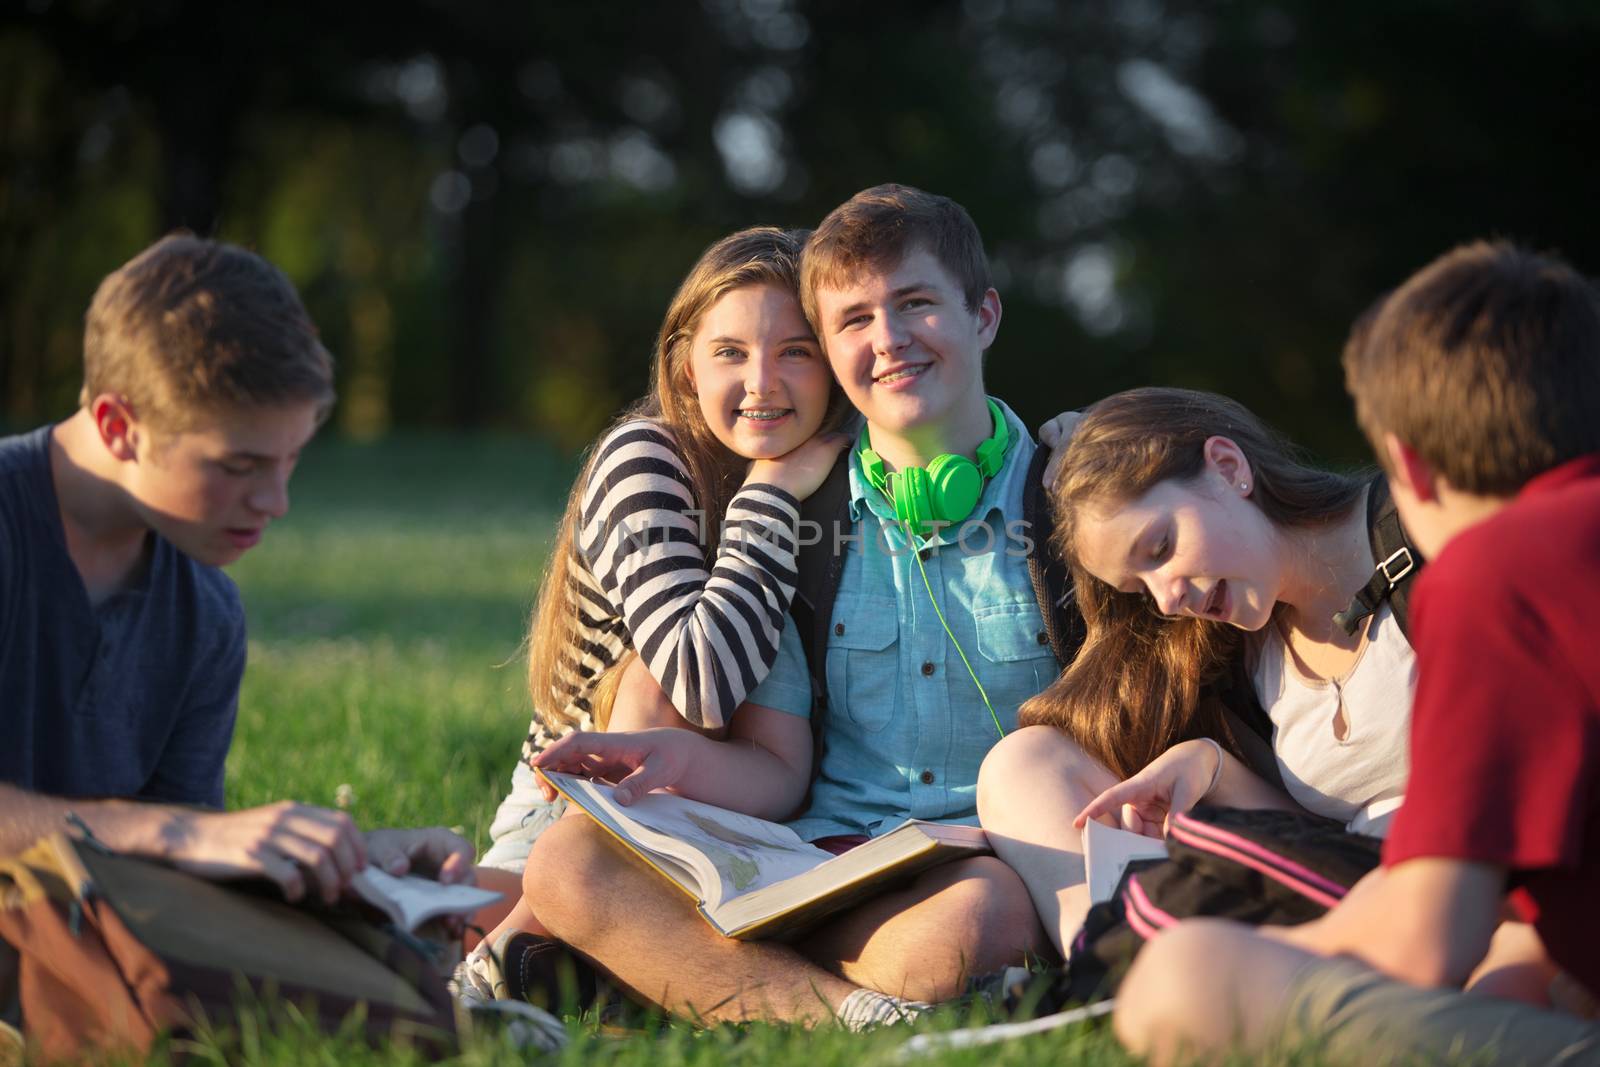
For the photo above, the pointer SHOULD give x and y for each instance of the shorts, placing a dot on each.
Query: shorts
(522, 816)
(1350, 1014)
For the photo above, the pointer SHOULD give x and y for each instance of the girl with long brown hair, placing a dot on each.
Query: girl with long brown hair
(674, 563)
(1203, 547)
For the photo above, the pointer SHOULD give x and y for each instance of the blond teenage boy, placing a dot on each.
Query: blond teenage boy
(122, 643)
(1478, 385)
(896, 285)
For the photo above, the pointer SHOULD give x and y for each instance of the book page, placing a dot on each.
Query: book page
(412, 900)
(745, 853)
(1108, 851)
(783, 908)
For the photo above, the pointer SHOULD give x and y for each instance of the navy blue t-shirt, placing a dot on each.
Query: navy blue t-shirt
(132, 698)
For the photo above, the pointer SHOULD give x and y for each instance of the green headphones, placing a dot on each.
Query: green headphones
(946, 490)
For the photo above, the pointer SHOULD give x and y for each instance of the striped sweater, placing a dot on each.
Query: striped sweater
(639, 579)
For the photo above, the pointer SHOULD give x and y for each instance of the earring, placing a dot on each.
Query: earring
(1244, 487)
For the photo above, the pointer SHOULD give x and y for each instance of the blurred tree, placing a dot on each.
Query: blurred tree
(488, 206)
(1221, 190)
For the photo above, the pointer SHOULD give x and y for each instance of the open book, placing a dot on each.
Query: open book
(410, 901)
(1107, 851)
(756, 879)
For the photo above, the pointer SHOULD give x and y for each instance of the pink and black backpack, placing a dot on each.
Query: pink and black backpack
(1257, 867)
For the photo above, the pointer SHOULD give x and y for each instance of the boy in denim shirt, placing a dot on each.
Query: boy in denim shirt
(896, 285)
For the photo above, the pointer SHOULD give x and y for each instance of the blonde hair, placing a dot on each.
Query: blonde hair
(604, 695)
(1133, 690)
(191, 327)
(762, 255)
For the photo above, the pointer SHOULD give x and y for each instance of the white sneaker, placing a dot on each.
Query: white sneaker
(867, 1009)
(478, 979)
(522, 1025)
(479, 986)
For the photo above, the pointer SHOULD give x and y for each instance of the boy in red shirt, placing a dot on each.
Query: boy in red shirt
(1478, 384)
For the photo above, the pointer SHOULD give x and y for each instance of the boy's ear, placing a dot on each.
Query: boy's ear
(114, 421)
(988, 313)
(1409, 470)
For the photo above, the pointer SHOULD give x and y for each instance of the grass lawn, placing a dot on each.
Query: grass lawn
(385, 616)
(386, 612)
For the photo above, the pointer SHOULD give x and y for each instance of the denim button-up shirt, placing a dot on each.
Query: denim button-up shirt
(907, 729)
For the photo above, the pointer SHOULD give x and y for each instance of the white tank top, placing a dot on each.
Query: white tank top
(1361, 779)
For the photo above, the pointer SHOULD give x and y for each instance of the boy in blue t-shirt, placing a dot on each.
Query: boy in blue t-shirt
(121, 642)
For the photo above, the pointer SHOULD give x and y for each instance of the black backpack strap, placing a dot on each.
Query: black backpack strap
(1248, 726)
(1052, 581)
(1399, 562)
(824, 515)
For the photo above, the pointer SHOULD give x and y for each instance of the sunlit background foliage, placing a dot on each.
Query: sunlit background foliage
(488, 204)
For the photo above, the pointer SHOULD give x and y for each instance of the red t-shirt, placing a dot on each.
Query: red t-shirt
(1505, 728)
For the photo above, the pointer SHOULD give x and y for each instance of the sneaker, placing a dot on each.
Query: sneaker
(520, 1025)
(999, 990)
(543, 971)
(477, 979)
(527, 968)
(867, 1009)
(1017, 992)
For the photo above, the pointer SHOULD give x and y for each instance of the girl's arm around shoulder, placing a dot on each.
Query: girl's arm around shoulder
(761, 769)
(707, 635)
(639, 456)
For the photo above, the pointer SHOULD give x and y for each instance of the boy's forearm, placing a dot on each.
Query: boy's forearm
(126, 826)
(1427, 922)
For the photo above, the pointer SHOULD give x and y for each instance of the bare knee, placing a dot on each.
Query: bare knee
(569, 861)
(1173, 1006)
(1011, 776)
(989, 914)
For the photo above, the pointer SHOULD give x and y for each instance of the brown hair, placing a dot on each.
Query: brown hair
(1134, 689)
(191, 326)
(1486, 362)
(877, 228)
(762, 255)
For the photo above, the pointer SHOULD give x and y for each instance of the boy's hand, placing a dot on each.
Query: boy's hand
(803, 470)
(636, 762)
(296, 846)
(1055, 435)
(432, 851)
(1173, 783)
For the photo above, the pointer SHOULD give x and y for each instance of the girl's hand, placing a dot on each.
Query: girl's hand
(1055, 435)
(636, 762)
(1173, 783)
(803, 470)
